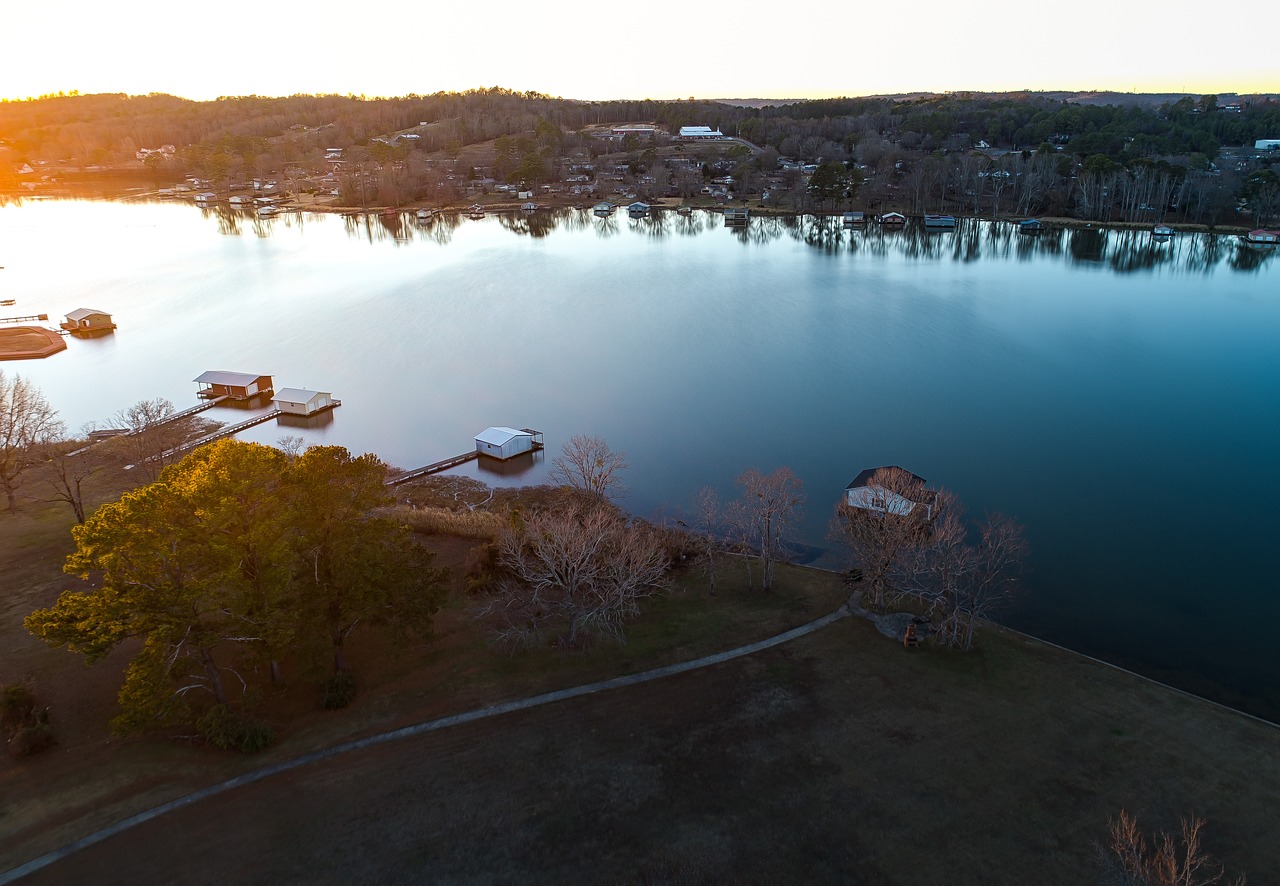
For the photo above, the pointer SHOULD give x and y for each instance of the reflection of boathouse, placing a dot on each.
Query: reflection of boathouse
(88, 321)
(233, 385)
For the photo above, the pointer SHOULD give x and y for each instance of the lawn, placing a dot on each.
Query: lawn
(838, 757)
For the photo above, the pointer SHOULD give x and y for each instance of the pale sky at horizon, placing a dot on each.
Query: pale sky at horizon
(663, 49)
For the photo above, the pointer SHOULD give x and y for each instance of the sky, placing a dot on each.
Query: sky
(663, 49)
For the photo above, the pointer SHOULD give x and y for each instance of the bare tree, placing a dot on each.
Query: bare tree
(1129, 860)
(961, 580)
(707, 526)
(588, 465)
(885, 524)
(70, 464)
(151, 430)
(770, 504)
(27, 425)
(583, 569)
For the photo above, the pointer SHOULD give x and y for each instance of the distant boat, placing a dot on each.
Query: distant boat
(476, 211)
(1162, 231)
(893, 219)
(1030, 226)
(940, 222)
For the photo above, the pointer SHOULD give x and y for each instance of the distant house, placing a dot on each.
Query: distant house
(1267, 144)
(236, 385)
(909, 493)
(697, 132)
(506, 442)
(634, 129)
(86, 321)
(299, 401)
(893, 218)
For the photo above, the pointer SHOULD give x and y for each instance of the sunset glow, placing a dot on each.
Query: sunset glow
(663, 50)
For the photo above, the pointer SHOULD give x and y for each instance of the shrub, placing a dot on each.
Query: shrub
(338, 691)
(26, 726)
(483, 525)
(234, 731)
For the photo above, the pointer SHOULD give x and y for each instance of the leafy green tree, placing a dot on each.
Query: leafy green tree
(154, 585)
(355, 568)
(829, 183)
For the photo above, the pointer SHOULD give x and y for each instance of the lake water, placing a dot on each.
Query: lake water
(1119, 396)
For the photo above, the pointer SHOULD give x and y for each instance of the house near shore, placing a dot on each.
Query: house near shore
(300, 401)
(88, 321)
(234, 385)
(868, 491)
(506, 443)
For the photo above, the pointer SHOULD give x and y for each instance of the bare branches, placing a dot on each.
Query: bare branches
(27, 424)
(588, 465)
(768, 508)
(1128, 859)
(583, 568)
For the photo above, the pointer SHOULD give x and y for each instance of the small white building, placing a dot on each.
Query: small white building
(1267, 144)
(505, 442)
(866, 493)
(700, 132)
(299, 401)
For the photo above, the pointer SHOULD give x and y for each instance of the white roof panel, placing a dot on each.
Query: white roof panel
(296, 395)
(219, 377)
(500, 436)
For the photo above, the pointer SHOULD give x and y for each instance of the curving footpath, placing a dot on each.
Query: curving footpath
(505, 707)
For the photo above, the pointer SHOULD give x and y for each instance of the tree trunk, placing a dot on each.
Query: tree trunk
(340, 665)
(215, 676)
(277, 675)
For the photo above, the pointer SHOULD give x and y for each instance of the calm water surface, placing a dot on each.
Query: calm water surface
(1121, 397)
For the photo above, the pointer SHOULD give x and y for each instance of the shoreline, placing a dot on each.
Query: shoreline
(558, 202)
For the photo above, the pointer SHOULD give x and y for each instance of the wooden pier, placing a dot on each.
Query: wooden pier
(228, 431)
(29, 318)
(199, 407)
(434, 468)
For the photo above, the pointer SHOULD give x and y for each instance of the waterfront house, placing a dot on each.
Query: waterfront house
(908, 492)
(1030, 226)
(236, 385)
(299, 401)
(939, 222)
(893, 218)
(507, 442)
(87, 321)
(736, 215)
(639, 209)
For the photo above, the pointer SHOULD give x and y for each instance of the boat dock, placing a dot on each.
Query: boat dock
(107, 433)
(228, 431)
(29, 318)
(434, 468)
(510, 444)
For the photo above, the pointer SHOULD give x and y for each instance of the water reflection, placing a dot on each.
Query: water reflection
(972, 240)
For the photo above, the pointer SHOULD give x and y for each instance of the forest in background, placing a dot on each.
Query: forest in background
(1102, 162)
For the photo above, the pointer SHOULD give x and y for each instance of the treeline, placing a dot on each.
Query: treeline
(99, 127)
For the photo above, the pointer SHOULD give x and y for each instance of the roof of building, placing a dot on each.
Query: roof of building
(297, 395)
(699, 130)
(864, 479)
(82, 313)
(237, 379)
(500, 436)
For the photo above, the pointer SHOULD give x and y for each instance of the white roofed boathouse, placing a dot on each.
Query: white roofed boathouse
(88, 321)
(300, 401)
(507, 443)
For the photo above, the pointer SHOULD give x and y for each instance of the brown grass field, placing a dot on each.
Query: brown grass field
(840, 757)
